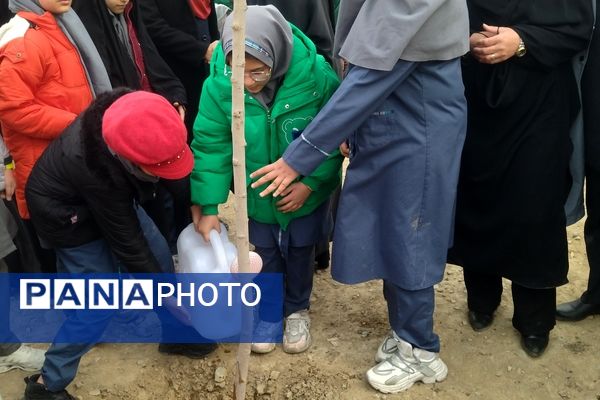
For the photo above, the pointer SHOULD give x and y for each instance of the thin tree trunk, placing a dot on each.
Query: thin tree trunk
(239, 179)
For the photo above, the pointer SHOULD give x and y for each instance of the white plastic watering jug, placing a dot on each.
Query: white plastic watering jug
(216, 256)
(196, 255)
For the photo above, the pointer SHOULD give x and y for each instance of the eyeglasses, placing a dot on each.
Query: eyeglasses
(261, 75)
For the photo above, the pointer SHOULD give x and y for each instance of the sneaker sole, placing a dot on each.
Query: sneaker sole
(299, 350)
(4, 369)
(263, 351)
(402, 386)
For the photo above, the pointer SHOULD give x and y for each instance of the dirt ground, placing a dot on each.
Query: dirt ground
(348, 323)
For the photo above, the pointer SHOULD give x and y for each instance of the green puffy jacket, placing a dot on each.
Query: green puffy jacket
(306, 87)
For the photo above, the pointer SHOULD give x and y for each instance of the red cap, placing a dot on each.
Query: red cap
(145, 129)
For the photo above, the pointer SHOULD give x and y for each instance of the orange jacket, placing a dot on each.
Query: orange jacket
(43, 87)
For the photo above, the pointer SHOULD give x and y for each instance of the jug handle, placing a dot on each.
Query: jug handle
(217, 245)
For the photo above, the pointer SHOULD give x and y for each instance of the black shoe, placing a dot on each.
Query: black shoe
(535, 345)
(37, 391)
(480, 321)
(190, 350)
(576, 310)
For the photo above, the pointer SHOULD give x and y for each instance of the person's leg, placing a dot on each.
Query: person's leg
(272, 263)
(410, 353)
(13, 262)
(322, 253)
(29, 259)
(156, 241)
(12, 354)
(171, 326)
(592, 237)
(8, 342)
(270, 311)
(410, 313)
(63, 356)
(298, 287)
(46, 257)
(589, 302)
(534, 317)
(298, 279)
(484, 293)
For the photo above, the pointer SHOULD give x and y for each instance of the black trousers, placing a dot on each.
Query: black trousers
(322, 256)
(533, 308)
(592, 234)
(297, 269)
(26, 258)
(46, 258)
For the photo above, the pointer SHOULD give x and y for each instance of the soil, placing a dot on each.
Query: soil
(348, 323)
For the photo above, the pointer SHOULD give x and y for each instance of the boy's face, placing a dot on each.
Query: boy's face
(116, 6)
(56, 6)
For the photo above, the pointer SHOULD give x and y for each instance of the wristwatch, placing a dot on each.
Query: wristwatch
(9, 163)
(521, 50)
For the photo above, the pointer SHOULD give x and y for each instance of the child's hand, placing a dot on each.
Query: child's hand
(205, 223)
(293, 197)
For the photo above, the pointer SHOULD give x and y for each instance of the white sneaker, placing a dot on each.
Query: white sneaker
(387, 348)
(265, 329)
(405, 367)
(25, 358)
(296, 336)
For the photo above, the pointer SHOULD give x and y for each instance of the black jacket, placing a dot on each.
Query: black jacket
(5, 14)
(313, 17)
(173, 29)
(78, 192)
(590, 92)
(121, 69)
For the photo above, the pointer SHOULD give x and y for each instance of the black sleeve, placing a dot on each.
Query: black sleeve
(312, 17)
(320, 28)
(178, 45)
(556, 34)
(114, 213)
(213, 24)
(5, 14)
(162, 79)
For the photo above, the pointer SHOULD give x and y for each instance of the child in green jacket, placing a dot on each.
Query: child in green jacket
(286, 84)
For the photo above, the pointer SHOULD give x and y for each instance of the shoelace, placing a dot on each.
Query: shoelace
(390, 345)
(401, 363)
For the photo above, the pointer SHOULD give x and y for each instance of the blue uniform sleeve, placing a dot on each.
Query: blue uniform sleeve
(359, 95)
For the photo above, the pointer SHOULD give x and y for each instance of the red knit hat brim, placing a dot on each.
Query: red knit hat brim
(175, 169)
